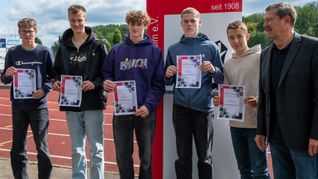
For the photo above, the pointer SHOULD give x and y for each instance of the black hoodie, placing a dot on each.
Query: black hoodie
(87, 61)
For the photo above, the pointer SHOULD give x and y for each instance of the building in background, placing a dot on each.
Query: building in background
(5, 44)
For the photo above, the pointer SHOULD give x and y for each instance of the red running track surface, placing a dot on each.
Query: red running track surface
(58, 139)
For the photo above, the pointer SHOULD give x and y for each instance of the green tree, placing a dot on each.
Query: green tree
(307, 21)
(108, 45)
(107, 31)
(117, 37)
(258, 38)
(38, 40)
(257, 18)
(54, 47)
(99, 35)
(252, 27)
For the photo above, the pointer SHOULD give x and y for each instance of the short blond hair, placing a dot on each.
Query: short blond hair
(76, 9)
(27, 22)
(138, 17)
(190, 10)
(237, 25)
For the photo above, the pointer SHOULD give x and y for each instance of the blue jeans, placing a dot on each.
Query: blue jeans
(88, 124)
(189, 124)
(292, 164)
(251, 162)
(39, 122)
(123, 128)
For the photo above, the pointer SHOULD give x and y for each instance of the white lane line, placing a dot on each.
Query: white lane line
(105, 113)
(54, 119)
(64, 157)
(56, 134)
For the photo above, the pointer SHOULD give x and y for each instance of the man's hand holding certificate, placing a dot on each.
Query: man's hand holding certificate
(125, 98)
(188, 71)
(24, 83)
(231, 102)
(71, 92)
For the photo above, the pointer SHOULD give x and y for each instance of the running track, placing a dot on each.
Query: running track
(58, 139)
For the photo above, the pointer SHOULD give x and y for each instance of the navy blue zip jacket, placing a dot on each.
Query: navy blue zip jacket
(196, 99)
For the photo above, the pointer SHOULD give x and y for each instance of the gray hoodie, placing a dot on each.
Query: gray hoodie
(243, 70)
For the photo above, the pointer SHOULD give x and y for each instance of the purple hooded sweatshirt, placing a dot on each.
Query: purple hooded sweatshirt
(141, 62)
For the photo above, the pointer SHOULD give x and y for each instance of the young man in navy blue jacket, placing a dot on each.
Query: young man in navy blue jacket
(139, 59)
(33, 111)
(192, 107)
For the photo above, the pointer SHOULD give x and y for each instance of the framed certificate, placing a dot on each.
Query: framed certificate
(71, 93)
(24, 83)
(231, 102)
(125, 98)
(188, 71)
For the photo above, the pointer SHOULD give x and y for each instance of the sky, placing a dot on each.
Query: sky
(51, 15)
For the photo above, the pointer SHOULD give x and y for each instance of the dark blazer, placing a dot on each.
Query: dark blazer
(297, 93)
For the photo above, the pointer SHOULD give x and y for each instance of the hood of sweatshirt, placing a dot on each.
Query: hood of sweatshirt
(201, 37)
(145, 42)
(254, 49)
(66, 38)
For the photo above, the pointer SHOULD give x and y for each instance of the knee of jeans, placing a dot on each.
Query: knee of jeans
(78, 150)
(16, 153)
(205, 158)
(99, 155)
(205, 163)
(260, 171)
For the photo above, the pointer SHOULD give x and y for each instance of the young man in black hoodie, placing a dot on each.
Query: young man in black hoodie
(81, 54)
(33, 110)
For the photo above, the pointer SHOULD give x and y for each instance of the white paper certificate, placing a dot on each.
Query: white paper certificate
(71, 94)
(125, 98)
(188, 71)
(24, 83)
(231, 104)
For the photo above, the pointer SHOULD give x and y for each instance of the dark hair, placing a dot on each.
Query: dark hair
(283, 9)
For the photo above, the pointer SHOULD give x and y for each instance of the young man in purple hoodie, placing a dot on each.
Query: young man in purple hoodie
(139, 59)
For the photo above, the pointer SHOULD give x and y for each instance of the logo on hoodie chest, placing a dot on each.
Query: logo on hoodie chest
(78, 58)
(127, 63)
(22, 62)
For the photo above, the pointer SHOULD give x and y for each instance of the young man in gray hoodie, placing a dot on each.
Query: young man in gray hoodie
(243, 69)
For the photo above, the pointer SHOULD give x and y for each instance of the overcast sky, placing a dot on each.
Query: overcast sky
(52, 17)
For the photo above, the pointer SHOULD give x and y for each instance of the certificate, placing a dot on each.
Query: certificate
(188, 71)
(231, 102)
(125, 98)
(24, 84)
(71, 94)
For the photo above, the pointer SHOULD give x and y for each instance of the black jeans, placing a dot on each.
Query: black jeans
(190, 124)
(123, 128)
(39, 122)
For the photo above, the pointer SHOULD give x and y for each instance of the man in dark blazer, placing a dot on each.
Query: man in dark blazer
(288, 109)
